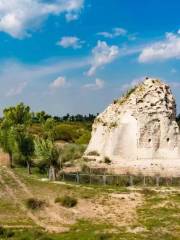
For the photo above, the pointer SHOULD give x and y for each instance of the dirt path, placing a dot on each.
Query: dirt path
(50, 216)
(19, 204)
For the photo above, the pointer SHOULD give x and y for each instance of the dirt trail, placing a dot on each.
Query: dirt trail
(47, 218)
(18, 203)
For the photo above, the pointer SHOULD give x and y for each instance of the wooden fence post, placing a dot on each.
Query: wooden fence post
(144, 181)
(131, 180)
(90, 180)
(157, 181)
(104, 179)
(77, 178)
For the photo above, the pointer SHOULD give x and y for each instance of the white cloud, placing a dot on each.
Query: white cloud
(169, 48)
(102, 54)
(71, 41)
(19, 17)
(115, 33)
(14, 76)
(16, 90)
(99, 84)
(58, 83)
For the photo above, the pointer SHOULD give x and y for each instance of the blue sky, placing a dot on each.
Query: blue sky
(76, 56)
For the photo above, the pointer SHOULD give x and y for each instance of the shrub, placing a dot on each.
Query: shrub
(72, 152)
(66, 201)
(84, 139)
(148, 191)
(66, 133)
(107, 160)
(35, 204)
(93, 153)
(6, 233)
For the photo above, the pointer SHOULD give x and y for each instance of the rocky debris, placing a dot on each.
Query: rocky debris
(140, 126)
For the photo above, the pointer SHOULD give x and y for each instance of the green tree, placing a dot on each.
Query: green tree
(47, 152)
(25, 146)
(42, 116)
(14, 118)
(49, 129)
(7, 140)
(18, 115)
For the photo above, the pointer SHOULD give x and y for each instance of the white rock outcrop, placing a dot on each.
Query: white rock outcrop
(138, 132)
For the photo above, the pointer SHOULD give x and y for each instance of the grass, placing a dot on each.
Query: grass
(158, 216)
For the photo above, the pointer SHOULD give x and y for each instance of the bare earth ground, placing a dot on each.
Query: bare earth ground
(115, 207)
(126, 213)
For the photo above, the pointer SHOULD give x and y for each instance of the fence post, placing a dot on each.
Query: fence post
(157, 181)
(144, 181)
(104, 179)
(131, 180)
(117, 180)
(90, 181)
(77, 178)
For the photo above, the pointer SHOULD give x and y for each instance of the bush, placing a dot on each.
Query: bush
(66, 133)
(6, 233)
(84, 139)
(66, 201)
(93, 153)
(148, 191)
(35, 204)
(107, 160)
(72, 152)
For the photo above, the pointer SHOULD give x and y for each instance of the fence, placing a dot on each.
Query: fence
(119, 180)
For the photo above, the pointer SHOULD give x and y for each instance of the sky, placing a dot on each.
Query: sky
(76, 56)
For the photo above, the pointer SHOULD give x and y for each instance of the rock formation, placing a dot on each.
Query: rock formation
(138, 132)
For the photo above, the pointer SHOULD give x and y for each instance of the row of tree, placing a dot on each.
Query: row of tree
(18, 142)
(43, 116)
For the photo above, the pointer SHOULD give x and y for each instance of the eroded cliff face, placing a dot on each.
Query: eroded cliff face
(139, 126)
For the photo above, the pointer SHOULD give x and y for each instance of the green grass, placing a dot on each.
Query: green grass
(158, 215)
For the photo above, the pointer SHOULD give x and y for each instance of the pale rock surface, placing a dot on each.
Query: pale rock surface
(138, 133)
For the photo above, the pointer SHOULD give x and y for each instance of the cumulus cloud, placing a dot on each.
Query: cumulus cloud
(98, 84)
(58, 83)
(162, 50)
(16, 90)
(102, 54)
(73, 42)
(116, 32)
(19, 17)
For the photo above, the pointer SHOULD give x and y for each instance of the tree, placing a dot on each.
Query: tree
(18, 115)
(48, 153)
(25, 146)
(7, 140)
(49, 129)
(15, 118)
(42, 116)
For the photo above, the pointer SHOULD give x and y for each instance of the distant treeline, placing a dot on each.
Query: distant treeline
(43, 116)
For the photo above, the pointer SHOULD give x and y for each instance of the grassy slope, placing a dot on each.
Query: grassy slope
(158, 216)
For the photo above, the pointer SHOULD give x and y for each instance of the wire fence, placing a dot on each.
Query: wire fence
(118, 180)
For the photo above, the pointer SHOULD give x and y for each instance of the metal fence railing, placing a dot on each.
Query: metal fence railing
(119, 180)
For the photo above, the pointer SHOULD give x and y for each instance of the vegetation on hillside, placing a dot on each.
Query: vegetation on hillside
(39, 139)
